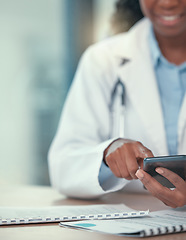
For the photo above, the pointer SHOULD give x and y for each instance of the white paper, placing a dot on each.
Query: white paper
(164, 221)
(59, 213)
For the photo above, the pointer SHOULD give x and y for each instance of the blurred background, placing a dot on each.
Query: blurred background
(40, 45)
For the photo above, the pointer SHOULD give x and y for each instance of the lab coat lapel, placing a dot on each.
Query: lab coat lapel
(140, 83)
(182, 128)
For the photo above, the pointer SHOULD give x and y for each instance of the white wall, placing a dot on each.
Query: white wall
(32, 38)
(30, 29)
(103, 11)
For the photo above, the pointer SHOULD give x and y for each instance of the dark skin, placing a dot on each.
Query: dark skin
(169, 22)
(170, 34)
(125, 160)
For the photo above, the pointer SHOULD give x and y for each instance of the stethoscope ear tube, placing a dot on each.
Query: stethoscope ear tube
(119, 84)
(117, 108)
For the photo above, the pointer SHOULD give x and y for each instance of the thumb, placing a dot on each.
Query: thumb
(143, 152)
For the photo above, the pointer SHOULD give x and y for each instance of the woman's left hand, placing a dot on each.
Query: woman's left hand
(173, 198)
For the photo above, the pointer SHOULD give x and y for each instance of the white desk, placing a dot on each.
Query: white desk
(36, 196)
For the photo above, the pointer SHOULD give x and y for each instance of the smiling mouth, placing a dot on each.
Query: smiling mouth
(170, 18)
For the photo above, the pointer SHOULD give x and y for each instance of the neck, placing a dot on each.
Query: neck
(173, 48)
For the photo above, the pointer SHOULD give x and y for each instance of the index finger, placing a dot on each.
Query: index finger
(143, 152)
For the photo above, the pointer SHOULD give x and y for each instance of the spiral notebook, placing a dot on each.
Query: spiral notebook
(23, 215)
(157, 223)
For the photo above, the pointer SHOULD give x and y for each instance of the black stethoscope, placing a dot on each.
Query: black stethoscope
(117, 110)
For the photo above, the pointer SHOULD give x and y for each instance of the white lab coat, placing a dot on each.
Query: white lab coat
(76, 153)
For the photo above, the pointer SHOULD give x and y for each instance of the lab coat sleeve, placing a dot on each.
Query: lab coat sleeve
(76, 154)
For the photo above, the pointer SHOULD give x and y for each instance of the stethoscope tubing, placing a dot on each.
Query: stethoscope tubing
(117, 110)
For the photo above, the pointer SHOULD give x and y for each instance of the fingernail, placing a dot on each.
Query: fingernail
(139, 174)
(159, 170)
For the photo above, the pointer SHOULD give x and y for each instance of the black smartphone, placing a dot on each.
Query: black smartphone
(175, 163)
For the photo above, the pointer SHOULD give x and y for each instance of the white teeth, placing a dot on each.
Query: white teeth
(170, 18)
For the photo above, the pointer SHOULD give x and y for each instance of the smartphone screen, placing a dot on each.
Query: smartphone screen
(175, 163)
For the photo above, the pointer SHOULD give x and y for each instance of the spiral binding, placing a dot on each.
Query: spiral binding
(163, 230)
(72, 218)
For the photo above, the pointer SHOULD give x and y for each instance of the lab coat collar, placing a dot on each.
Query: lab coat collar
(123, 50)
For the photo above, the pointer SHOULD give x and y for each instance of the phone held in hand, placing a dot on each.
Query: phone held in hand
(175, 163)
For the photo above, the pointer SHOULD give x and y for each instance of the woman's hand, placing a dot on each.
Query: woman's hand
(124, 157)
(173, 198)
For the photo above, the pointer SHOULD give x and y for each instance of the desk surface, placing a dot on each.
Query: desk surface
(36, 196)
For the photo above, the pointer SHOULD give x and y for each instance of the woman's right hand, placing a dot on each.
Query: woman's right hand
(124, 157)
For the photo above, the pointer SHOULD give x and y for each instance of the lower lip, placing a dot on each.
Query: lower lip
(173, 22)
